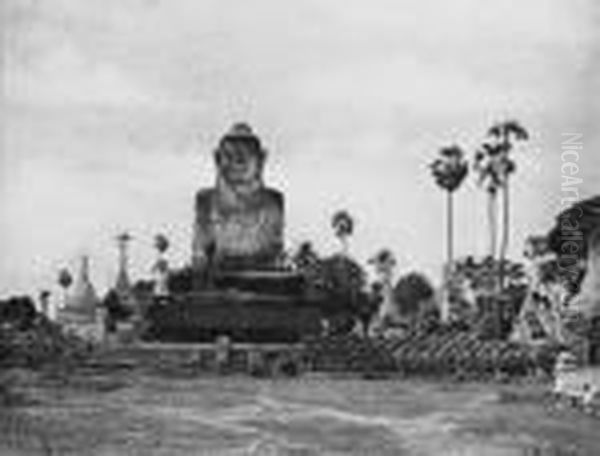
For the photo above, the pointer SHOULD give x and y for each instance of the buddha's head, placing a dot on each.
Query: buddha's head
(240, 157)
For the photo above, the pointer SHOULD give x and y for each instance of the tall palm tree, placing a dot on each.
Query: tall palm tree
(487, 165)
(449, 171)
(506, 134)
(343, 226)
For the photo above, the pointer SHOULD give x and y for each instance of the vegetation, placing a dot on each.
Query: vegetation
(161, 243)
(343, 226)
(29, 339)
(18, 312)
(449, 171)
(307, 261)
(384, 263)
(411, 292)
(494, 166)
(452, 351)
(181, 280)
(65, 279)
(342, 282)
(115, 310)
(367, 306)
(349, 353)
(578, 222)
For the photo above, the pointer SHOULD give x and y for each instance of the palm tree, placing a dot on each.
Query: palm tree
(65, 279)
(343, 226)
(506, 134)
(384, 263)
(487, 166)
(449, 171)
(161, 243)
(161, 267)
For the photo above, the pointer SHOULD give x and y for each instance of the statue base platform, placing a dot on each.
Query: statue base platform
(248, 306)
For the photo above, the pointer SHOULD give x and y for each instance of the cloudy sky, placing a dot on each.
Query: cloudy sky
(112, 108)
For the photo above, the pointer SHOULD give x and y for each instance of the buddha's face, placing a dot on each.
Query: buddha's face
(239, 162)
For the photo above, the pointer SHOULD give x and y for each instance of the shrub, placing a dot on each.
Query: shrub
(349, 353)
(411, 291)
(18, 311)
(545, 356)
(42, 343)
(452, 351)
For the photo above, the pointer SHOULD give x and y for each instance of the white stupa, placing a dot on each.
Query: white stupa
(82, 302)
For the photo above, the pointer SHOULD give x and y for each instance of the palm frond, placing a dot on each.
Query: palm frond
(343, 223)
(495, 130)
(450, 169)
(517, 130)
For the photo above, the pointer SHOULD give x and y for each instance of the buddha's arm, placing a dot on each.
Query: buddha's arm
(274, 228)
(202, 236)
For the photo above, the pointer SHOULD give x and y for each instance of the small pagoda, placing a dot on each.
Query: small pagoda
(82, 313)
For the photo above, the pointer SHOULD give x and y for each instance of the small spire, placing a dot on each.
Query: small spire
(123, 284)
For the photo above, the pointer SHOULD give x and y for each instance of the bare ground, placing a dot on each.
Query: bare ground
(135, 413)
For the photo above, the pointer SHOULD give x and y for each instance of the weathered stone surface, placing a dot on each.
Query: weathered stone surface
(239, 222)
(81, 304)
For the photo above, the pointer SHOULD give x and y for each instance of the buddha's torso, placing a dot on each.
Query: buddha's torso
(243, 229)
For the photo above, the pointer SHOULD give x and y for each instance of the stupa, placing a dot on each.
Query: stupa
(240, 288)
(82, 313)
(82, 302)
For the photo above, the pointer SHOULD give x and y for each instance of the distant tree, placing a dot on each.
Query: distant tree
(368, 305)
(576, 224)
(449, 171)
(343, 226)
(307, 262)
(19, 311)
(411, 291)
(579, 220)
(384, 263)
(181, 280)
(305, 256)
(342, 279)
(161, 243)
(115, 309)
(143, 288)
(506, 134)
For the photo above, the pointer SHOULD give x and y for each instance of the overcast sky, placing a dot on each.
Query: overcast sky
(112, 109)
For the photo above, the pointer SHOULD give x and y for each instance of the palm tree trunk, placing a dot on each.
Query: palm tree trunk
(449, 256)
(345, 247)
(493, 227)
(450, 230)
(65, 297)
(492, 224)
(387, 306)
(505, 231)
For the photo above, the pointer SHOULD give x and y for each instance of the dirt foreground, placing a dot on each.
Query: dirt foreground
(132, 413)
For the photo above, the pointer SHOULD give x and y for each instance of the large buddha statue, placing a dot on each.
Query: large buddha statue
(239, 222)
